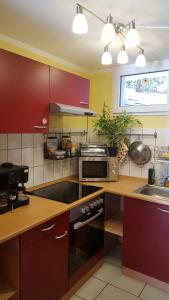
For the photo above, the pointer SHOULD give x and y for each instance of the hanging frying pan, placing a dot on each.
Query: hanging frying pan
(139, 153)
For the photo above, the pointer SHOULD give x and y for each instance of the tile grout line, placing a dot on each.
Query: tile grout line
(101, 291)
(142, 290)
(78, 296)
(121, 288)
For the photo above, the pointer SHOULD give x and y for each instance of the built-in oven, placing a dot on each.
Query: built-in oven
(86, 238)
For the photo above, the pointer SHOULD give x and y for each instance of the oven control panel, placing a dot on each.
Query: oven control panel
(86, 207)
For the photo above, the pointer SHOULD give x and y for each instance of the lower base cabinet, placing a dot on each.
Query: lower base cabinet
(146, 238)
(44, 260)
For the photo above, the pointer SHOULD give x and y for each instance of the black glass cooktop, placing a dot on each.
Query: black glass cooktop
(65, 191)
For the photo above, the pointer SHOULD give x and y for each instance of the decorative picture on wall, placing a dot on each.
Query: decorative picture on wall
(144, 89)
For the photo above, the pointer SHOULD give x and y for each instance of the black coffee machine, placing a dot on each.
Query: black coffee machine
(12, 179)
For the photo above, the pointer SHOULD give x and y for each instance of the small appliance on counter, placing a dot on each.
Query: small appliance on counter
(12, 179)
(95, 164)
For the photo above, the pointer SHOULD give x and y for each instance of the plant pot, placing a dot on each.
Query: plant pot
(112, 151)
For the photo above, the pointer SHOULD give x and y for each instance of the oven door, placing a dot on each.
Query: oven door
(86, 241)
(93, 168)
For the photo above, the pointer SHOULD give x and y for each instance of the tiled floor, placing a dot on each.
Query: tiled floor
(108, 283)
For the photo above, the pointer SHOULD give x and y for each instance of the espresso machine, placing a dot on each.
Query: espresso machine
(12, 180)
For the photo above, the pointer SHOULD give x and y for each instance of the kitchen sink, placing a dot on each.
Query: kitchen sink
(154, 191)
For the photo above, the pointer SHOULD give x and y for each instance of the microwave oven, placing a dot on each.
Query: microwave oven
(98, 169)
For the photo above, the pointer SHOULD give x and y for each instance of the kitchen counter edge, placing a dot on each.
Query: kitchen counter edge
(40, 210)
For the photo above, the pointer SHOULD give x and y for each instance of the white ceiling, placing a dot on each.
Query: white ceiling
(47, 25)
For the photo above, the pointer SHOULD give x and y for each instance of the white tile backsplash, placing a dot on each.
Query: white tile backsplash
(3, 141)
(48, 173)
(38, 139)
(58, 169)
(38, 156)
(66, 167)
(15, 156)
(27, 149)
(27, 157)
(38, 173)
(14, 141)
(27, 140)
(3, 156)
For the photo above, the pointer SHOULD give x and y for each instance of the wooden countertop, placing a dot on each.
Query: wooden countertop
(15, 222)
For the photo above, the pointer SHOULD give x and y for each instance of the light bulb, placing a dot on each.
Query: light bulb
(140, 60)
(122, 56)
(108, 31)
(133, 37)
(106, 57)
(80, 25)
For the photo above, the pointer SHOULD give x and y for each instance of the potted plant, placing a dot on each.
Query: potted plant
(114, 127)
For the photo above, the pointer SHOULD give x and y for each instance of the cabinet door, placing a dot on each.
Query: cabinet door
(146, 243)
(24, 94)
(67, 88)
(44, 260)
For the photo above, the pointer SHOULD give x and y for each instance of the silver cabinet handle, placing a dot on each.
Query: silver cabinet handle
(164, 210)
(81, 224)
(82, 102)
(39, 126)
(61, 236)
(48, 228)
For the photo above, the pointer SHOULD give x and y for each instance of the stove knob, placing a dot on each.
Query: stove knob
(83, 210)
(98, 202)
(101, 201)
(95, 203)
(91, 205)
(87, 208)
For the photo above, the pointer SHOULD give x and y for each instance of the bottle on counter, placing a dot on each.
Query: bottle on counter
(151, 175)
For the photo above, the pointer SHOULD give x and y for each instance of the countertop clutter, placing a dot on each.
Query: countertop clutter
(15, 222)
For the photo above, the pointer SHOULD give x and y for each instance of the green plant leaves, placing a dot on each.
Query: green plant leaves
(114, 127)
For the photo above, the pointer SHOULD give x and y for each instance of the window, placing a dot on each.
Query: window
(142, 93)
(144, 89)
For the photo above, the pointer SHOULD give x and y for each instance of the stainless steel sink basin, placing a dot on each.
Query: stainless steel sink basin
(154, 191)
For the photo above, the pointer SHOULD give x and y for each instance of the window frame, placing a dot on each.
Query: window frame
(126, 70)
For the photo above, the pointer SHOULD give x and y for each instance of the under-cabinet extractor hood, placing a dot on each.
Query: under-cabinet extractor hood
(68, 109)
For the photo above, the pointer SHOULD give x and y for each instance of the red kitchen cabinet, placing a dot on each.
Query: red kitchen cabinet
(24, 94)
(146, 242)
(67, 88)
(44, 260)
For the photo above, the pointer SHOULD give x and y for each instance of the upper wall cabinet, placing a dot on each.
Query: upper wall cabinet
(24, 94)
(67, 88)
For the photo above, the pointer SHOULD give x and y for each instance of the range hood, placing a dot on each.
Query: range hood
(71, 110)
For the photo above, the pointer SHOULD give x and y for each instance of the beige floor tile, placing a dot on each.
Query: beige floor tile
(114, 256)
(91, 289)
(113, 293)
(113, 275)
(151, 293)
(74, 297)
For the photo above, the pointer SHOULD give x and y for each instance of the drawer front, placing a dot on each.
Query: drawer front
(55, 227)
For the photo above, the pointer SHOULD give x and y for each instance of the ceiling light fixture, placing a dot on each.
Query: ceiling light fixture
(106, 57)
(133, 37)
(122, 56)
(127, 34)
(80, 25)
(141, 60)
(108, 32)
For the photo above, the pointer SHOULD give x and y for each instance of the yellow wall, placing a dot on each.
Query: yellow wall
(100, 92)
